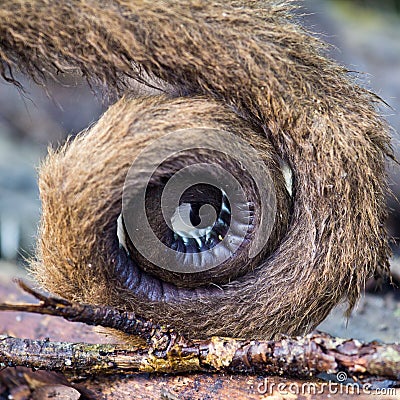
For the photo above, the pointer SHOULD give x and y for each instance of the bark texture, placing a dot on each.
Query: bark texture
(314, 353)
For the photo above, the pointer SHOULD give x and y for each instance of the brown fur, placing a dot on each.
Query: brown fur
(241, 66)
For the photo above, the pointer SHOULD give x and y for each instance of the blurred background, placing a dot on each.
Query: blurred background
(30, 122)
(365, 35)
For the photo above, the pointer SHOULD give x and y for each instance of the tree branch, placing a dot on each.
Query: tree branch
(301, 357)
(159, 337)
(170, 352)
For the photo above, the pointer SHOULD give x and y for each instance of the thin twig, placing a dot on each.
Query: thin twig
(159, 337)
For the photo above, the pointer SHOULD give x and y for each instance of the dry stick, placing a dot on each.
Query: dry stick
(170, 352)
(302, 357)
(159, 337)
